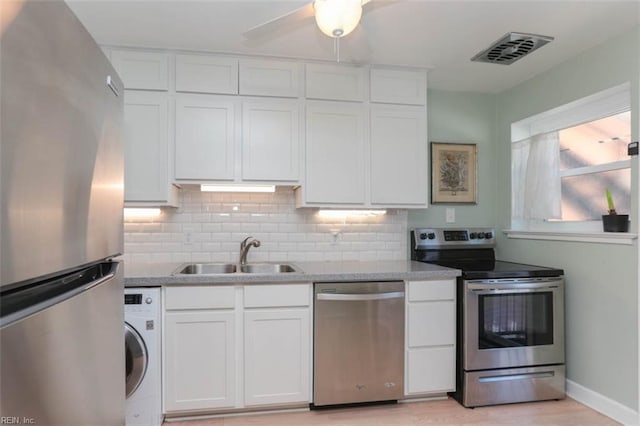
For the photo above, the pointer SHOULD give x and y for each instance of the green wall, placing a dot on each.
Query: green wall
(601, 279)
(458, 117)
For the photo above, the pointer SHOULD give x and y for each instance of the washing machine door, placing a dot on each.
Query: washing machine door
(136, 358)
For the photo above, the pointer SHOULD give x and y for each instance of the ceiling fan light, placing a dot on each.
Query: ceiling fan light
(337, 18)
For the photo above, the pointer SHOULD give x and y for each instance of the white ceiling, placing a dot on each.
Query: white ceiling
(439, 35)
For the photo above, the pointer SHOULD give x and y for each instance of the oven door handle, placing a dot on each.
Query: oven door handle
(511, 287)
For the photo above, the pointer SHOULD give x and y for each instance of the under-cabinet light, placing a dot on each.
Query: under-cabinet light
(237, 188)
(141, 212)
(347, 213)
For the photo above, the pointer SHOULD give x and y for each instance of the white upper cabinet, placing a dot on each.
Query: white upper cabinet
(142, 70)
(335, 152)
(399, 86)
(270, 140)
(206, 74)
(336, 82)
(398, 156)
(146, 149)
(344, 135)
(270, 78)
(205, 137)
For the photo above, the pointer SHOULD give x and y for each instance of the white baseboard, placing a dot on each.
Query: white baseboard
(602, 404)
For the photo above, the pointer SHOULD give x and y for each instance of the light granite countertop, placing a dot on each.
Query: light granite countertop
(160, 274)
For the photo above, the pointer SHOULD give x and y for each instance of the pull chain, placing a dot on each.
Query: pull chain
(336, 48)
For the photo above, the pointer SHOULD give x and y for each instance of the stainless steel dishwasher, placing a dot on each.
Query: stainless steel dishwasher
(358, 348)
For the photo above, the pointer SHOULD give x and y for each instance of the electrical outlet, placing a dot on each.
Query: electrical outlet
(450, 215)
(188, 235)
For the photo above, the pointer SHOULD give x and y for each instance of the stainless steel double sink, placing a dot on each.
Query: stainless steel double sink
(231, 268)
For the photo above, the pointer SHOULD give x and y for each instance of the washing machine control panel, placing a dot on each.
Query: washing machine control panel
(141, 300)
(133, 299)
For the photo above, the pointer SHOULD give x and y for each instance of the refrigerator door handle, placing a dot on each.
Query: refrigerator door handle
(65, 293)
(113, 86)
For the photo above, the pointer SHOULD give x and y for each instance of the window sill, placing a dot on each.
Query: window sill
(583, 237)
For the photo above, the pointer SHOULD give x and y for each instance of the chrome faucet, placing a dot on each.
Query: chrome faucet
(244, 248)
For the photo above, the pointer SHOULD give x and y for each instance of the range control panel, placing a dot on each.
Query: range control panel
(426, 238)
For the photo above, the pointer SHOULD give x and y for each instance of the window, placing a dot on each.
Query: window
(563, 160)
(593, 157)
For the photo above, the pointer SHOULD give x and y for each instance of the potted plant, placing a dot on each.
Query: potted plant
(614, 222)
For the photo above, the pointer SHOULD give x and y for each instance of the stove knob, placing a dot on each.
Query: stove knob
(473, 235)
(431, 236)
(488, 235)
(480, 235)
(423, 236)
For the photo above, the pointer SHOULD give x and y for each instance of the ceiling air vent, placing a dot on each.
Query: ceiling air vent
(511, 47)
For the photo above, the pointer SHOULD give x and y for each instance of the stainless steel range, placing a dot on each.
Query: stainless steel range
(510, 316)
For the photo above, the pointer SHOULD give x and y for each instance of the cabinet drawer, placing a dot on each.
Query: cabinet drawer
(399, 86)
(432, 290)
(431, 370)
(269, 78)
(206, 74)
(276, 295)
(142, 70)
(341, 83)
(431, 323)
(219, 297)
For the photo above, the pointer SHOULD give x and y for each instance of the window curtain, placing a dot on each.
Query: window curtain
(535, 177)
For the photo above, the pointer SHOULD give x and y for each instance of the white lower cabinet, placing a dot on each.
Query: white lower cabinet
(200, 360)
(221, 342)
(430, 337)
(276, 356)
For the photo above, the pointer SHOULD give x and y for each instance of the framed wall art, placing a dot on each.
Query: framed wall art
(453, 173)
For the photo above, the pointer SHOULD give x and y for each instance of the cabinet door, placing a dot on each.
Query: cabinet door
(142, 70)
(206, 74)
(398, 155)
(399, 86)
(199, 360)
(270, 140)
(146, 147)
(336, 82)
(205, 138)
(335, 153)
(269, 78)
(277, 349)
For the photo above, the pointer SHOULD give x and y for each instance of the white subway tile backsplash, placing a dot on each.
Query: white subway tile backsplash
(208, 227)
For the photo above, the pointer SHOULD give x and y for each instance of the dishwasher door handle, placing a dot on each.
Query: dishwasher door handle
(360, 296)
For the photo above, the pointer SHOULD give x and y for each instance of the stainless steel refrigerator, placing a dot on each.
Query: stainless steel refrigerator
(61, 198)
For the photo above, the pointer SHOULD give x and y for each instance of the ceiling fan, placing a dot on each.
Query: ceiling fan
(335, 18)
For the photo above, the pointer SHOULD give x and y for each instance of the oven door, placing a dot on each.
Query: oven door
(513, 322)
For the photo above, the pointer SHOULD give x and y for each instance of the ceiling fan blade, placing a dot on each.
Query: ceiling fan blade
(293, 19)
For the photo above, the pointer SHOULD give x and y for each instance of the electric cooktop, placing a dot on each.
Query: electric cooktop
(472, 251)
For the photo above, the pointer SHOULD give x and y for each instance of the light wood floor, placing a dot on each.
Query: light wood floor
(443, 412)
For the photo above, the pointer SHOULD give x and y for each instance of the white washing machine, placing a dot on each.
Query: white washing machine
(142, 355)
